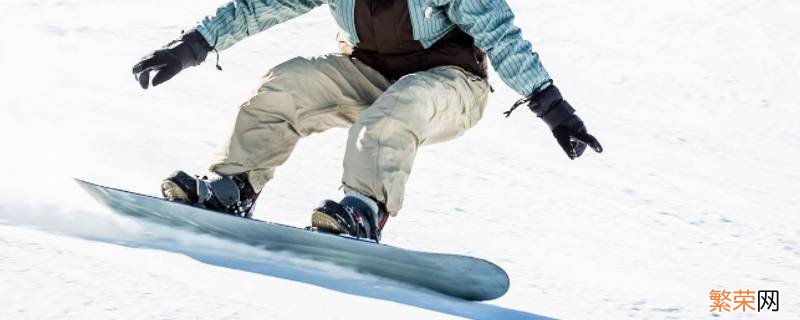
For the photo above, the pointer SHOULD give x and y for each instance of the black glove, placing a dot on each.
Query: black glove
(189, 50)
(560, 117)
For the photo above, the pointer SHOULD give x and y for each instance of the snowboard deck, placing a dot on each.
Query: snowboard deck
(456, 275)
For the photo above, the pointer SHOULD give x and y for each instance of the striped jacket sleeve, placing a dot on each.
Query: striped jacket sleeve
(239, 19)
(490, 22)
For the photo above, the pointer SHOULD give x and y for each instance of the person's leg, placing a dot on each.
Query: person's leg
(297, 98)
(421, 108)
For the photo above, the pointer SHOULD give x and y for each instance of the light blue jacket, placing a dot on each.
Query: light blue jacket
(489, 22)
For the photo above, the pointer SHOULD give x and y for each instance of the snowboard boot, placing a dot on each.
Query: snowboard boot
(356, 215)
(225, 194)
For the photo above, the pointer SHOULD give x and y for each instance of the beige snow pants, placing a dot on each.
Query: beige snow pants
(388, 121)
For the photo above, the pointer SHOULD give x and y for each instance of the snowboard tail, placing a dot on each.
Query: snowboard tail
(460, 276)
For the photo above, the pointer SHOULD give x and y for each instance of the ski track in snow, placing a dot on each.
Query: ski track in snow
(695, 103)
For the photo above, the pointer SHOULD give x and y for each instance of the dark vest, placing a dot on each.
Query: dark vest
(387, 42)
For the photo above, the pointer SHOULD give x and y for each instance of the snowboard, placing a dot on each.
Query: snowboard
(456, 275)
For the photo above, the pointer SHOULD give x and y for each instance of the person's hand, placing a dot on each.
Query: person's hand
(567, 128)
(573, 138)
(189, 50)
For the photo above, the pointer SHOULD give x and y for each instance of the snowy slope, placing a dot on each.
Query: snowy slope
(695, 102)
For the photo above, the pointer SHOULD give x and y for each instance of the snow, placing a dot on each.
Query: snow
(695, 103)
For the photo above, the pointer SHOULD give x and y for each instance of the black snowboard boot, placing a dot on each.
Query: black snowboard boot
(356, 215)
(226, 194)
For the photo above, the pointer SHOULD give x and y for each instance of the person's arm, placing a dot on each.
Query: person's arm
(233, 22)
(239, 19)
(490, 23)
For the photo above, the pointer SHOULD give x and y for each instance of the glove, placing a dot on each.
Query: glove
(189, 50)
(567, 128)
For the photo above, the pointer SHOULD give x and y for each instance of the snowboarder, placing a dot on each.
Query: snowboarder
(410, 73)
